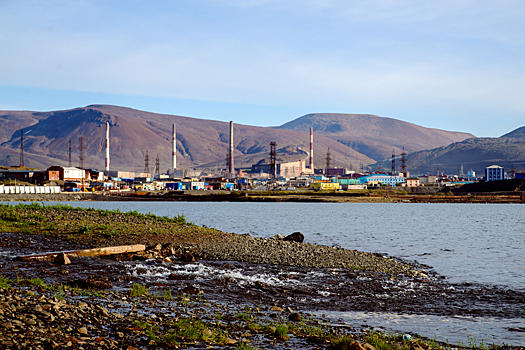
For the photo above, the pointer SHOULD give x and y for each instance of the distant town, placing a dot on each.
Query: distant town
(263, 176)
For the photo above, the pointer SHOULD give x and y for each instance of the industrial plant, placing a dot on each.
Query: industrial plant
(287, 168)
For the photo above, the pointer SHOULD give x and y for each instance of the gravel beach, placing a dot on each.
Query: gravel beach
(208, 290)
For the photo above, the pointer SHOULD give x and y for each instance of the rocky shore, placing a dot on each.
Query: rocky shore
(208, 291)
(99, 228)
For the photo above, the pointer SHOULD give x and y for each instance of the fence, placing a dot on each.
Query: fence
(29, 189)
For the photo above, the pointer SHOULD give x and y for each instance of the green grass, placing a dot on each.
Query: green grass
(138, 290)
(75, 222)
(60, 293)
(245, 346)
(37, 282)
(4, 282)
(342, 343)
(244, 317)
(167, 294)
(281, 332)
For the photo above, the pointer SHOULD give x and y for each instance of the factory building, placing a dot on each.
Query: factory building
(494, 173)
(288, 169)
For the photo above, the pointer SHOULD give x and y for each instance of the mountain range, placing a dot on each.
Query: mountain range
(353, 139)
(471, 154)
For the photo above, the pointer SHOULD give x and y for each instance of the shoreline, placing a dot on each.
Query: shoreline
(247, 196)
(251, 311)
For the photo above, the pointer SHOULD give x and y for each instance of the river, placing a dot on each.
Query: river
(466, 243)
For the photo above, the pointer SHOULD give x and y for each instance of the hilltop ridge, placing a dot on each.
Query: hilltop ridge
(201, 142)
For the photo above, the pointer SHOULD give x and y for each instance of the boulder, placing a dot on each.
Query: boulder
(62, 259)
(94, 282)
(295, 237)
(187, 257)
(295, 317)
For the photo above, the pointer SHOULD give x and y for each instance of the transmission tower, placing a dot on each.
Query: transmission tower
(512, 172)
(146, 163)
(273, 160)
(403, 162)
(22, 148)
(393, 163)
(157, 167)
(328, 159)
(69, 163)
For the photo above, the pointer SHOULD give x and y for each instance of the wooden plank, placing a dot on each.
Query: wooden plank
(85, 252)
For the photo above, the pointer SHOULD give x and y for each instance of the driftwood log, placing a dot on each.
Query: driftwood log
(84, 252)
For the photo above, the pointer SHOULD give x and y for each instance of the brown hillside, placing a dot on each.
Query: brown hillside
(473, 153)
(134, 132)
(373, 135)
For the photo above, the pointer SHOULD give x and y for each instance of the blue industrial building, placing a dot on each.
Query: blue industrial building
(384, 179)
(494, 173)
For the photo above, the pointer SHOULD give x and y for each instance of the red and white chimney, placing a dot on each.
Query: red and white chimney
(107, 146)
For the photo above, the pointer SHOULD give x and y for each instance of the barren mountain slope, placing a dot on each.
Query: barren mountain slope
(134, 132)
(372, 135)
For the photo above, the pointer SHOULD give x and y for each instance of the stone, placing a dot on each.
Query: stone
(294, 237)
(278, 236)
(94, 282)
(191, 290)
(360, 346)
(174, 276)
(187, 257)
(276, 308)
(82, 330)
(62, 259)
(158, 247)
(295, 317)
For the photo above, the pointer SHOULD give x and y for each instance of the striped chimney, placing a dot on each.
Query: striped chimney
(174, 149)
(232, 168)
(107, 146)
(312, 148)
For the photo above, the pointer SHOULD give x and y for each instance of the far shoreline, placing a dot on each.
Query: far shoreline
(382, 196)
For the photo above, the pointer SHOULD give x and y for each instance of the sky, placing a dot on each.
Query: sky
(452, 65)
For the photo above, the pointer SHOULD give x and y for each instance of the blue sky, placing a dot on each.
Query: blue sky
(453, 65)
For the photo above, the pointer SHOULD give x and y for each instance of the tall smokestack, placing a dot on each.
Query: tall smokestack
(107, 146)
(174, 149)
(232, 168)
(312, 148)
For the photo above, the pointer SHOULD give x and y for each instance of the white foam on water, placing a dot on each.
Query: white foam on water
(148, 271)
(462, 329)
(201, 271)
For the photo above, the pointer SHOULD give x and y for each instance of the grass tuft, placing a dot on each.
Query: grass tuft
(138, 290)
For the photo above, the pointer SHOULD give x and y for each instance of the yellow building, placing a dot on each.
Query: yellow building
(329, 186)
